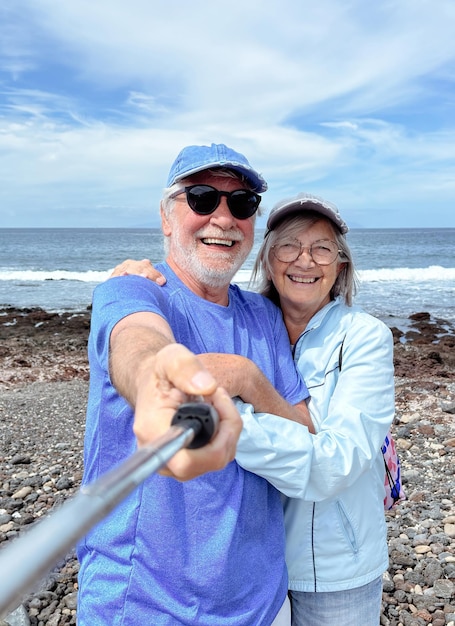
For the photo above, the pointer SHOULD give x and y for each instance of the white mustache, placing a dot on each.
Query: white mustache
(231, 235)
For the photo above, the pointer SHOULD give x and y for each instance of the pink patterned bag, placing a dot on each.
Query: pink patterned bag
(393, 488)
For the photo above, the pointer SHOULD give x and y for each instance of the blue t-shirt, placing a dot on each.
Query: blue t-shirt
(209, 551)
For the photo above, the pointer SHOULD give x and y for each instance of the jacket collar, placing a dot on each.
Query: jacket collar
(317, 319)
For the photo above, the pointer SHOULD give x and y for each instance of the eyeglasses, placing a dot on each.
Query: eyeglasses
(204, 199)
(323, 251)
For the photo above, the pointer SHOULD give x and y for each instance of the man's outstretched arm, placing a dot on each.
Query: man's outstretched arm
(155, 375)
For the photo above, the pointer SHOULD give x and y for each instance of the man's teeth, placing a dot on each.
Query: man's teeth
(219, 242)
(300, 279)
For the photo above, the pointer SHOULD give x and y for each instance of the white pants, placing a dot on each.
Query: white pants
(284, 615)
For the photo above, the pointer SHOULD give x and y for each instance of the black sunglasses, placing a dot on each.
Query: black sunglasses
(204, 199)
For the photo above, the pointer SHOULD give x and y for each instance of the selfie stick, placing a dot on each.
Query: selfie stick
(32, 555)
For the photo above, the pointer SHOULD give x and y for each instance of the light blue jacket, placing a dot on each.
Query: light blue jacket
(335, 524)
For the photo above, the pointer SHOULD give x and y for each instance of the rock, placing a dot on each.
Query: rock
(22, 493)
(432, 572)
(19, 617)
(20, 459)
(71, 601)
(444, 589)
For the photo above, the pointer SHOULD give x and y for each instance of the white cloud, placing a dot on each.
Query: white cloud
(350, 100)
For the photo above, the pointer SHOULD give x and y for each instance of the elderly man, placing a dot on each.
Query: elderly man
(207, 551)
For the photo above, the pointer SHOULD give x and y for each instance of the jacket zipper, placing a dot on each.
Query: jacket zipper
(312, 547)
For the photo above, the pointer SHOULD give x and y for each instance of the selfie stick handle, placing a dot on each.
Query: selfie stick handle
(32, 555)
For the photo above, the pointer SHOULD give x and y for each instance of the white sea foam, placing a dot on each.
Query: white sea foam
(411, 275)
(398, 274)
(433, 273)
(38, 275)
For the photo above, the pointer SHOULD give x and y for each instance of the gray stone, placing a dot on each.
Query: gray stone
(444, 588)
(432, 572)
(19, 617)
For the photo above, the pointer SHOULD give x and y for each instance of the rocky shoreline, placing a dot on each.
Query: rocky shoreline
(43, 390)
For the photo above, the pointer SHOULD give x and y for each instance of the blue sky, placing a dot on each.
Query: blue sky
(351, 100)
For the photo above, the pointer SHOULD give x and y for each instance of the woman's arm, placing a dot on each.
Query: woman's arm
(242, 378)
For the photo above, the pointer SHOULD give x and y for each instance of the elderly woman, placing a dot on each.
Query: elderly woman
(335, 525)
(336, 538)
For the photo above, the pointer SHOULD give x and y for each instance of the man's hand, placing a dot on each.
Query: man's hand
(163, 382)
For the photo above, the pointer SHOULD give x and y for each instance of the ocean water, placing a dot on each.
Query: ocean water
(401, 271)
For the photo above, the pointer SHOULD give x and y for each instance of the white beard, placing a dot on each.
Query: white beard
(216, 274)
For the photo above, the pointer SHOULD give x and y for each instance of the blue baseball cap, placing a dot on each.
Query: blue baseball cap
(194, 159)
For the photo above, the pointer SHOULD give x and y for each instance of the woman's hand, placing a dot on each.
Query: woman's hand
(139, 268)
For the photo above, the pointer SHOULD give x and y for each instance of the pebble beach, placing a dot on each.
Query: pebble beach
(43, 392)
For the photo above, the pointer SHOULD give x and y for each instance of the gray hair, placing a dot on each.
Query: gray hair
(346, 283)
